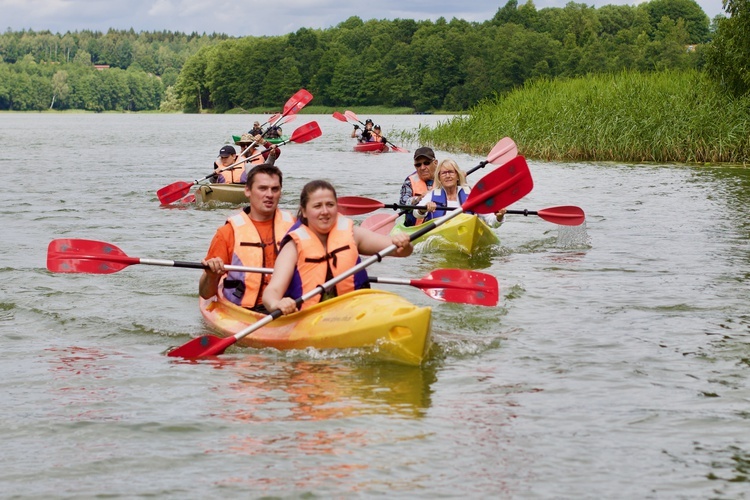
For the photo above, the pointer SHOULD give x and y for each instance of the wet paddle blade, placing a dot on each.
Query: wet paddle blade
(203, 346)
(500, 188)
(357, 205)
(173, 192)
(340, 117)
(86, 256)
(567, 215)
(380, 223)
(460, 286)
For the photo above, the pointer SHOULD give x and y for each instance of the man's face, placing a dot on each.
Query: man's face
(425, 168)
(264, 196)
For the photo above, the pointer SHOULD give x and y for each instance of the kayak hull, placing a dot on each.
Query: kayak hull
(465, 232)
(371, 147)
(387, 325)
(221, 193)
(272, 140)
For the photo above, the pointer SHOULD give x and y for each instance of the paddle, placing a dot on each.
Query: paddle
(504, 151)
(493, 192)
(564, 215)
(351, 115)
(177, 190)
(67, 255)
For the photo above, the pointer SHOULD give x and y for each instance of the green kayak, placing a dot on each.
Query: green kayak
(274, 140)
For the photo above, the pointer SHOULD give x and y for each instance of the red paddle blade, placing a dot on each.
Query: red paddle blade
(274, 118)
(297, 102)
(380, 223)
(504, 151)
(351, 115)
(357, 205)
(340, 117)
(173, 192)
(201, 347)
(500, 188)
(289, 119)
(188, 199)
(460, 286)
(86, 256)
(398, 149)
(565, 216)
(306, 132)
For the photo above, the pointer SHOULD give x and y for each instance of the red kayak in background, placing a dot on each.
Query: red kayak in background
(371, 147)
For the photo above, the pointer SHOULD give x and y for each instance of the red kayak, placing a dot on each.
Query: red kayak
(371, 147)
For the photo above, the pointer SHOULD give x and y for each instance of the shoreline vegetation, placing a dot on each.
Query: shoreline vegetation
(666, 117)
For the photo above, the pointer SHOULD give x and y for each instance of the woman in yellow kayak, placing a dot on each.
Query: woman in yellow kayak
(319, 247)
(451, 190)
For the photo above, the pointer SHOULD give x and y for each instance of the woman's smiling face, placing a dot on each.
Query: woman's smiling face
(321, 210)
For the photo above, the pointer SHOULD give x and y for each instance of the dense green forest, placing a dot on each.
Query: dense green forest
(423, 65)
(41, 70)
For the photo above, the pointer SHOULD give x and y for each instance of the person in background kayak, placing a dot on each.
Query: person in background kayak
(451, 190)
(377, 135)
(249, 143)
(419, 183)
(273, 132)
(256, 130)
(363, 135)
(248, 238)
(321, 245)
(234, 175)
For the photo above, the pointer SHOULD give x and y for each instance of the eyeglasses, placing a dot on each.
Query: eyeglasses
(423, 164)
(448, 172)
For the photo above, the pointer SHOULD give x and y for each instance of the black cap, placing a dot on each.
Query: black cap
(368, 121)
(227, 150)
(426, 152)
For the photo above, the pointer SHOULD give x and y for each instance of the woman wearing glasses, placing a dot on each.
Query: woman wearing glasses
(451, 190)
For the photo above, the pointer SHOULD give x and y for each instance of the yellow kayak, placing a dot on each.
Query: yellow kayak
(465, 232)
(225, 193)
(393, 328)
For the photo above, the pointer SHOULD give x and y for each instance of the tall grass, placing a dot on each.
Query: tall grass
(673, 116)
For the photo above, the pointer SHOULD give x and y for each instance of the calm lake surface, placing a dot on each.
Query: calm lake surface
(615, 366)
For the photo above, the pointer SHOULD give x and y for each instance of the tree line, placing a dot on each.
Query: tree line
(41, 70)
(424, 65)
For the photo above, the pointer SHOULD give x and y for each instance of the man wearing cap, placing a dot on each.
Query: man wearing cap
(419, 182)
(256, 130)
(223, 174)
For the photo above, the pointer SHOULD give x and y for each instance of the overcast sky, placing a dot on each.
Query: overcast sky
(249, 17)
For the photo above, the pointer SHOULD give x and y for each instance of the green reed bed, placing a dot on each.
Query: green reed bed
(634, 117)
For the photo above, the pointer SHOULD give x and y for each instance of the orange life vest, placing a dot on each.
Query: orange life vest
(243, 288)
(230, 176)
(418, 187)
(314, 261)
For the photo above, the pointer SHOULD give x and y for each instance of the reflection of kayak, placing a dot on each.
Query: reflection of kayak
(226, 193)
(370, 147)
(387, 325)
(466, 232)
(272, 140)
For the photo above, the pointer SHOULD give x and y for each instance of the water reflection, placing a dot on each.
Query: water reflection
(267, 389)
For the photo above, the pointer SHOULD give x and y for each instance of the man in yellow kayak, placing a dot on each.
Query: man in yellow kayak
(419, 182)
(249, 238)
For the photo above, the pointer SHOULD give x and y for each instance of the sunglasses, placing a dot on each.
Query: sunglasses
(423, 164)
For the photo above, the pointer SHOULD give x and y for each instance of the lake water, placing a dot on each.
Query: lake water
(615, 366)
